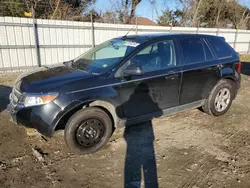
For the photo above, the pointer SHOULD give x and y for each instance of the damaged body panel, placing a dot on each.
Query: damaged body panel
(131, 79)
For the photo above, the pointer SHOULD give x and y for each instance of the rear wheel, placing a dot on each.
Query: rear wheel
(88, 130)
(220, 98)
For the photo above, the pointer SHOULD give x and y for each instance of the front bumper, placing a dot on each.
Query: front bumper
(42, 118)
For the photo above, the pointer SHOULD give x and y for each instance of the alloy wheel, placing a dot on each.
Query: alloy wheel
(222, 99)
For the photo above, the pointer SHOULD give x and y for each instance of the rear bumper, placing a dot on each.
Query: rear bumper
(42, 118)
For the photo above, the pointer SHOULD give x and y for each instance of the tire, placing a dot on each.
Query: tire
(211, 105)
(88, 130)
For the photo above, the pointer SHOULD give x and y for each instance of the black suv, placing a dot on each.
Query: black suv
(124, 81)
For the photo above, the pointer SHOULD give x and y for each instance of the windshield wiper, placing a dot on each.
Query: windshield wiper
(68, 63)
(74, 65)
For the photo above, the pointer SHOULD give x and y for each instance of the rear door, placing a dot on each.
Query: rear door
(200, 69)
(158, 88)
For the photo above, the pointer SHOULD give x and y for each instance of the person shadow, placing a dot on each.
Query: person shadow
(4, 96)
(140, 155)
(245, 68)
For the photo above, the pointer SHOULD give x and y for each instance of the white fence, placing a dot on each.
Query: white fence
(27, 43)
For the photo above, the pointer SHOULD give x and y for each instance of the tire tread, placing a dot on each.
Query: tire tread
(208, 107)
(71, 126)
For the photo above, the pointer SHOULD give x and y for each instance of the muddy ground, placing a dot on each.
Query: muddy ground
(191, 149)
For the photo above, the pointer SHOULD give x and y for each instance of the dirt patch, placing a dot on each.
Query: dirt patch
(189, 149)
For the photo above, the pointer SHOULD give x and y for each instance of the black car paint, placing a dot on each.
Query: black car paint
(168, 88)
(48, 79)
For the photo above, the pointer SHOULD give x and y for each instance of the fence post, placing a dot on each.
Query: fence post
(235, 38)
(92, 31)
(197, 30)
(36, 39)
(248, 47)
(217, 32)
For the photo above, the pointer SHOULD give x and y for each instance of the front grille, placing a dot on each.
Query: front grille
(15, 97)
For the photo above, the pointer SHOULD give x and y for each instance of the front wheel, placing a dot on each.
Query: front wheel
(220, 98)
(88, 130)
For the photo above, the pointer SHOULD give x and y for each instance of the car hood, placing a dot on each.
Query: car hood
(44, 79)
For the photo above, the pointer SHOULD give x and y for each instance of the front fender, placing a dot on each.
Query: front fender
(111, 106)
(105, 97)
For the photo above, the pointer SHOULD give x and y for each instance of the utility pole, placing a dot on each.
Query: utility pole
(92, 30)
(36, 37)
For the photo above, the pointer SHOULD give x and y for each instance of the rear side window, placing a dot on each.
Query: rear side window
(192, 49)
(221, 48)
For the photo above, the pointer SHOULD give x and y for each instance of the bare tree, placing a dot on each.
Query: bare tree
(109, 17)
(214, 13)
(32, 5)
(184, 8)
(195, 17)
(219, 5)
(124, 9)
(238, 14)
(133, 8)
(56, 8)
(245, 18)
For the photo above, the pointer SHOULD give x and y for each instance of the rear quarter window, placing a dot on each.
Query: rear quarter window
(220, 47)
(208, 53)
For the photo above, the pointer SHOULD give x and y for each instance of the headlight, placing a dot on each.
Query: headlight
(34, 100)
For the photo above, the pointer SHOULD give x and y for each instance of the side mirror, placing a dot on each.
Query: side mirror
(133, 70)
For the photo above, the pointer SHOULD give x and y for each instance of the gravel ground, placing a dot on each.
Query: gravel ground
(189, 149)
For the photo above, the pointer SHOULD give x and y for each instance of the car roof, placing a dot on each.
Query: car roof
(161, 35)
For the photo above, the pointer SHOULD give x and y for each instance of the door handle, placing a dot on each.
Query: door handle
(171, 72)
(214, 68)
(171, 77)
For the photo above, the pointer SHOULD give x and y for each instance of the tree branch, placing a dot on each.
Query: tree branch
(57, 5)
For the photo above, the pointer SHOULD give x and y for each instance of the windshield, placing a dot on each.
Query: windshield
(105, 56)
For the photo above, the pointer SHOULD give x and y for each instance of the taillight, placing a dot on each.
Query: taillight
(239, 67)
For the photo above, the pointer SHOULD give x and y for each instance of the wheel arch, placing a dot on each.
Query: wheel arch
(107, 106)
(233, 81)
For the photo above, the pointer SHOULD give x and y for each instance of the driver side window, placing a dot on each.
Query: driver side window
(156, 56)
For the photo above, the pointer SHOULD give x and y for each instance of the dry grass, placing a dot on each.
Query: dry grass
(245, 57)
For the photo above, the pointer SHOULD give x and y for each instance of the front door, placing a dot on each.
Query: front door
(158, 88)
